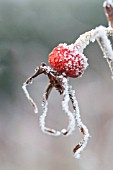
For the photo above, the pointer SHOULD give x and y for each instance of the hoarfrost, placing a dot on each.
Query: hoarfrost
(65, 107)
(80, 125)
(24, 87)
(43, 117)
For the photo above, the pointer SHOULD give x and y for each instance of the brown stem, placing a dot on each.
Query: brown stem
(48, 90)
(39, 70)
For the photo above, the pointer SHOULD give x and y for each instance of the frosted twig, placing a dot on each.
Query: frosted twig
(90, 36)
(103, 48)
(78, 148)
(100, 34)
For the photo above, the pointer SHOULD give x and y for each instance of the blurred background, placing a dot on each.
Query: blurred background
(29, 30)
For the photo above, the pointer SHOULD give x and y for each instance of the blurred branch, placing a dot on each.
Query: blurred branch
(108, 6)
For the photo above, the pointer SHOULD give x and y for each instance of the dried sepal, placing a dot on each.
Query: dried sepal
(38, 71)
(24, 87)
(44, 114)
(83, 129)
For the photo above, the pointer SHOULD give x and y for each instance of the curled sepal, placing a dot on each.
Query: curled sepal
(44, 114)
(83, 129)
(24, 87)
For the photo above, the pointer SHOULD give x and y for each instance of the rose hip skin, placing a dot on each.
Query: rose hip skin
(66, 59)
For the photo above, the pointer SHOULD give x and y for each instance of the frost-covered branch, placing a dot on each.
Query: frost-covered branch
(101, 35)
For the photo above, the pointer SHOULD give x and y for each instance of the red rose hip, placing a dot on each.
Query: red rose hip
(67, 59)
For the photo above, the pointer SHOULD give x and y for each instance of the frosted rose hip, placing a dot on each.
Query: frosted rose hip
(66, 59)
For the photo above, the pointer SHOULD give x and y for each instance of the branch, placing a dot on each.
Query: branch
(100, 34)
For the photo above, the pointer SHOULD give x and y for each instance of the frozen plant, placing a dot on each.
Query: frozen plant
(69, 61)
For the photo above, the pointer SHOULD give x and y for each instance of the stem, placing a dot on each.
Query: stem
(100, 34)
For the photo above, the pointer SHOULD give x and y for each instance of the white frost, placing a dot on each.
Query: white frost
(43, 117)
(65, 107)
(24, 87)
(79, 123)
(100, 34)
